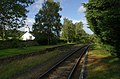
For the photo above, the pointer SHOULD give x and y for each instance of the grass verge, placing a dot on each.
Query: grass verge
(16, 51)
(101, 65)
(17, 67)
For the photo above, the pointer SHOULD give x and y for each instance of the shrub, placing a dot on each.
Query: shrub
(15, 43)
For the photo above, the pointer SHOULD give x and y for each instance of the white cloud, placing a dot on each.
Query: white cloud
(74, 21)
(82, 9)
(38, 4)
(30, 22)
(87, 30)
(83, 20)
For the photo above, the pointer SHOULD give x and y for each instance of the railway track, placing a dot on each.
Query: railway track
(66, 67)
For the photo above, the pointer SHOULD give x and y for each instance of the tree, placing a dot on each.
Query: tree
(13, 34)
(74, 32)
(68, 30)
(13, 14)
(79, 32)
(104, 20)
(47, 24)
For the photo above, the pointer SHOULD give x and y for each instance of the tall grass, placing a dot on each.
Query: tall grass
(10, 70)
(17, 51)
(102, 65)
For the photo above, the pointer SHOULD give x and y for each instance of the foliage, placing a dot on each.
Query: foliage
(68, 30)
(15, 43)
(12, 14)
(79, 31)
(13, 34)
(74, 32)
(104, 20)
(47, 24)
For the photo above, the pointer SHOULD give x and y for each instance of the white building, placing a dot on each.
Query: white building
(27, 35)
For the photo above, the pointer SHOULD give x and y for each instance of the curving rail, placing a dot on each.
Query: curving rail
(81, 50)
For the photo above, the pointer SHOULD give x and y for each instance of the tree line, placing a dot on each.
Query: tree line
(103, 17)
(74, 32)
(47, 27)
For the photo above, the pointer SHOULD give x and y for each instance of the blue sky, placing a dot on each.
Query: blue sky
(71, 9)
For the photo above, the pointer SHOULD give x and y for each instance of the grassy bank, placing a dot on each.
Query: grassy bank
(102, 65)
(24, 50)
(17, 67)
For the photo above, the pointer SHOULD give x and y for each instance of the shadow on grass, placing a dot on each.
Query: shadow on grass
(104, 68)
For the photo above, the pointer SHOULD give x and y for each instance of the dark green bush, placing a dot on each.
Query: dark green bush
(15, 43)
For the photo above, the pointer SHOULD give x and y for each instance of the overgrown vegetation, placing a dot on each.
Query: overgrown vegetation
(15, 43)
(102, 65)
(74, 32)
(17, 67)
(24, 50)
(103, 17)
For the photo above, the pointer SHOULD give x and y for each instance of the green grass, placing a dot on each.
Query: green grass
(101, 52)
(17, 51)
(103, 66)
(11, 70)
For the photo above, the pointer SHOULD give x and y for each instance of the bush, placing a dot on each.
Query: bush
(15, 43)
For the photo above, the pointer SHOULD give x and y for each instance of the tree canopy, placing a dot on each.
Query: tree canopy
(13, 13)
(68, 31)
(73, 32)
(104, 20)
(47, 24)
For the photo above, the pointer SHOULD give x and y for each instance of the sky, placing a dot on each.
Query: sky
(71, 9)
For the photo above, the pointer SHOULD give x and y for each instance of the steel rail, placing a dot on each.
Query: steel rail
(77, 63)
(83, 73)
(59, 62)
